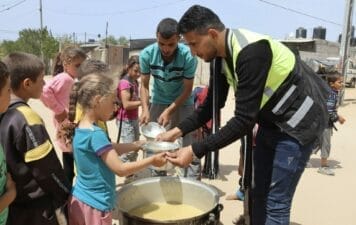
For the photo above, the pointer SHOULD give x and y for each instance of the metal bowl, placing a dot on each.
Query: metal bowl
(151, 130)
(160, 146)
(154, 147)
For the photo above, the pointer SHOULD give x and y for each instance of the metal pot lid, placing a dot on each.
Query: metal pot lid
(160, 146)
(152, 129)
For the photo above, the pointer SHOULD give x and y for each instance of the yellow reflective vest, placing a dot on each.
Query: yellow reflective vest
(297, 96)
(283, 60)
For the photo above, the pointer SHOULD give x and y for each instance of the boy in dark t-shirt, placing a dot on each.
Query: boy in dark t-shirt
(31, 159)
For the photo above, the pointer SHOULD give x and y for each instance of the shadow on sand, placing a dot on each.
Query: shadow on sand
(315, 163)
(224, 170)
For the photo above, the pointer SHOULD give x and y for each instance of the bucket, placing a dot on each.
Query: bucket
(173, 191)
(155, 147)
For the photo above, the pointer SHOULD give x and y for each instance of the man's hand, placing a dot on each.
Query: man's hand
(341, 120)
(182, 158)
(170, 135)
(164, 118)
(145, 117)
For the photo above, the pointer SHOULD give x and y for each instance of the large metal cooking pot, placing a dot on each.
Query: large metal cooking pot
(169, 189)
(154, 147)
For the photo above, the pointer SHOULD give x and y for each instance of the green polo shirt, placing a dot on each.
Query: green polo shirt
(168, 78)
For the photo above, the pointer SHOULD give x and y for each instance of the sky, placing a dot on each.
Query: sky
(139, 18)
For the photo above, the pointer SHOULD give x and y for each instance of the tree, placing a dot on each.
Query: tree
(65, 41)
(9, 46)
(30, 41)
(123, 41)
(110, 40)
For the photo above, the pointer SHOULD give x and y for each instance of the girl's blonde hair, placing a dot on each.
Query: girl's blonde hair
(68, 55)
(83, 93)
(90, 66)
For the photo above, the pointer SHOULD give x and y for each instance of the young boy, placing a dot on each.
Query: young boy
(32, 161)
(335, 82)
(7, 185)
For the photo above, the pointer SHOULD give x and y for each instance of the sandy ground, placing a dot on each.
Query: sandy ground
(319, 199)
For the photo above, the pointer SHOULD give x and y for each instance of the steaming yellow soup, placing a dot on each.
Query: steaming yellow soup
(165, 211)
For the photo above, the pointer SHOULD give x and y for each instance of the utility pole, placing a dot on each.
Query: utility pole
(74, 38)
(345, 43)
(41, 31)
(106, 43)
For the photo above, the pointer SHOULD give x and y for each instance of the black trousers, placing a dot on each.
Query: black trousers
(68, 166)
(36, 212)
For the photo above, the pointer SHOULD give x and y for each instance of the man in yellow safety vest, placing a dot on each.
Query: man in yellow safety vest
(273, 88)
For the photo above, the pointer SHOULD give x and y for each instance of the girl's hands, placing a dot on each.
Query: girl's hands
(140, 144)
(159, 159)
(61, 117)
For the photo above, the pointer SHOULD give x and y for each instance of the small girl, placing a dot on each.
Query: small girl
(335, 81)
(56, 96)
(90, 66)
(127, 117)
(96, 158)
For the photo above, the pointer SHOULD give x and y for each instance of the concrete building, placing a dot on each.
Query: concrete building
(114, 55)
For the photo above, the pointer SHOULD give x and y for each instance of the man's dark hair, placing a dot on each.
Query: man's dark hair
(167, 28)
(4, 75)
(21, 66)
(199, 19)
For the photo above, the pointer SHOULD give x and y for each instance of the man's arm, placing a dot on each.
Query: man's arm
(144, 92)
(252, 68)
(187, 91)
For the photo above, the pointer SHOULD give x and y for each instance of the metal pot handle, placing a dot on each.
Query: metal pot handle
(212, 217)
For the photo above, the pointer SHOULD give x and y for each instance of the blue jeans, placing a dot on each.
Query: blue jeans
(279, 161)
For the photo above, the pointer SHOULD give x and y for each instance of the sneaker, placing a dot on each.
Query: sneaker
(239, 195)
(326, 171)
(308, 165)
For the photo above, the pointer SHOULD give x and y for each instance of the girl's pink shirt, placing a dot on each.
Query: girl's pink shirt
(55, 96)
(127, 114)
(56, 93)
